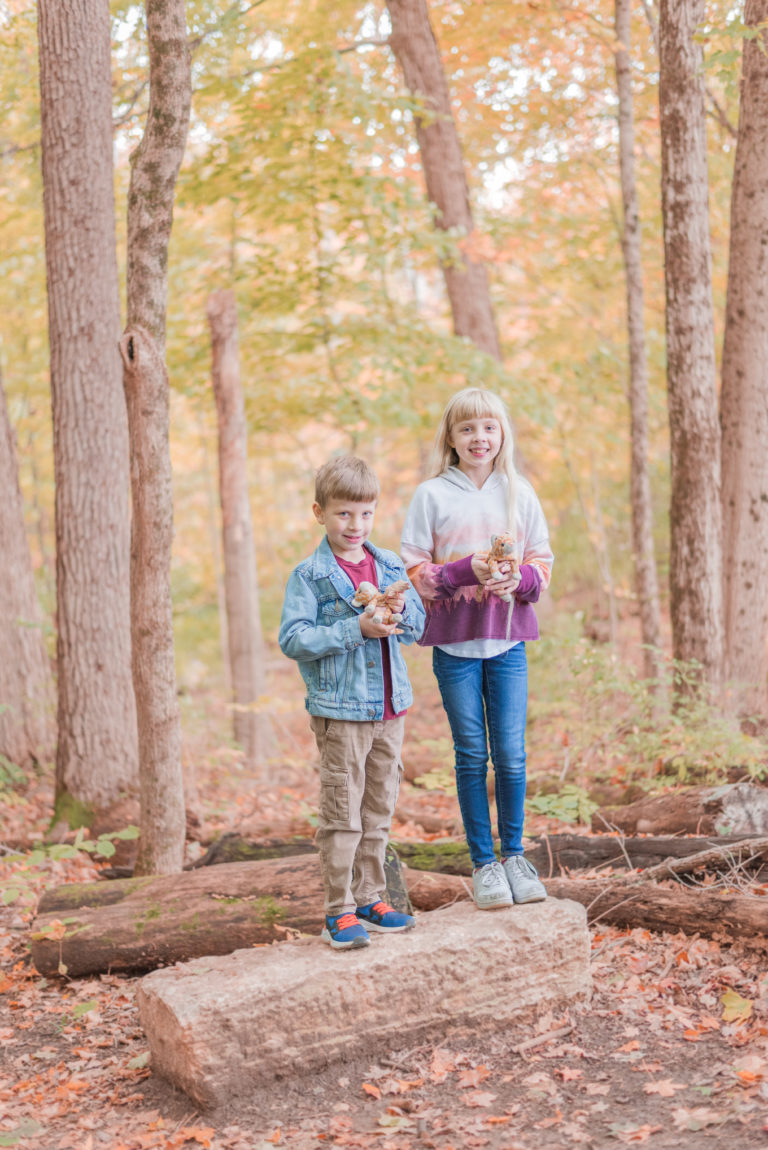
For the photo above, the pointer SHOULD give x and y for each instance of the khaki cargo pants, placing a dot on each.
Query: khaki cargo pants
(360, 773)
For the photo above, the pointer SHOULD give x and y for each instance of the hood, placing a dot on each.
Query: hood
(456, 477)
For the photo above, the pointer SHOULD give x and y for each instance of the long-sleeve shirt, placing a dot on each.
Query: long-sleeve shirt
(449, 519)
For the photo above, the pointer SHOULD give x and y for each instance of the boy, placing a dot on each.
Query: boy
(357, 693)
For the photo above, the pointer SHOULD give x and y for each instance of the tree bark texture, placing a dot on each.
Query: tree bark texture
(732, 809)
(26, 684)
(416, 50)
(154, 167)
(140, 923)
(96, 756)
(161, 786)
(646, 582)
(744, 392)
(246, 644)
(695, 513)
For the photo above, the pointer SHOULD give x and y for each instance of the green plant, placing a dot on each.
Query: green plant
(11, 776)
(571, 804)
(30, 867)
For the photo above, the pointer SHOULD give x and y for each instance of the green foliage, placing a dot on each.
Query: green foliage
(612, 720)
(30, 868)
(11, 776)
(570, 804)
(443, 776)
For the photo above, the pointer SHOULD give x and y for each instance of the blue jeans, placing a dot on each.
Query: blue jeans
(486, 701)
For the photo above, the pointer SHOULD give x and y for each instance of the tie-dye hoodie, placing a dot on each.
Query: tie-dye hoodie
(448, 520)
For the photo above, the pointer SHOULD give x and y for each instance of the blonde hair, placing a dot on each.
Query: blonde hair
(476, 403)
(346, 477)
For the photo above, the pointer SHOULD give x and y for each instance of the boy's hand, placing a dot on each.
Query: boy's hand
(372, 630)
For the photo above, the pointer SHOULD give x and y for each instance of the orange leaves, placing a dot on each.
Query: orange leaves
(473, 1076)
(372, 1090)
(666, 1088)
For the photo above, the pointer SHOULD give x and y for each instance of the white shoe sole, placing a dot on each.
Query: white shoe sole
(494, 905)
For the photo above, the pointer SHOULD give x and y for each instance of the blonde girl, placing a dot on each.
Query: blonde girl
(478, 640)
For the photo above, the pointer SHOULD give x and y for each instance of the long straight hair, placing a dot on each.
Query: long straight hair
(476, 403)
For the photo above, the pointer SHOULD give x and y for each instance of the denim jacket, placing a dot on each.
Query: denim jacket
(320, 630)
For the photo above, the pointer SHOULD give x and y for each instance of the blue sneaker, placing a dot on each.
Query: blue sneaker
(380, 916)
(344, 931)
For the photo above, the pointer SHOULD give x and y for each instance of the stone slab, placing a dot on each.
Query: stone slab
(219, 1027)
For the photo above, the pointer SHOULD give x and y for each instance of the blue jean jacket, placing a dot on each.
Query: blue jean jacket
(320, 630)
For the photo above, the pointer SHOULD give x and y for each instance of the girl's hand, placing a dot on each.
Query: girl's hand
(372, 630)
(397, 605)
(506, 586)
(480, 567)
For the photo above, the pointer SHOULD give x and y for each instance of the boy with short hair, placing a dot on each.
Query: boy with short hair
(357, 693)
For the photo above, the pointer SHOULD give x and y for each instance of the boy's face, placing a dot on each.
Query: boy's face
(347, 525)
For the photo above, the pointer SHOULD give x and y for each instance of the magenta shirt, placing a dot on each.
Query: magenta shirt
(365, 572)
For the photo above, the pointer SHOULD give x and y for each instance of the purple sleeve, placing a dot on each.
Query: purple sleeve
(458, 574)
(441, 580)
(529, 588)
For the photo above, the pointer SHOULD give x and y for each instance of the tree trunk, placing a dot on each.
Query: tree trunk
(646, 582)
(695, 513)
(415, 47)
(26, 685)
(733, 809)
(246, 644)
(154, 168)
(744, 393)
(163, 820)
(96, 758)
(139, 923)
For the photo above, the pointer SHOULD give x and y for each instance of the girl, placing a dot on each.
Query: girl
(478, 638)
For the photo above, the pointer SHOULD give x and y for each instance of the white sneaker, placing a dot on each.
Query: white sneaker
(523, 879)
(491, 887)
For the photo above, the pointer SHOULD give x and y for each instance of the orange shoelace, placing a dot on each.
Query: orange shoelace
(382, 908)
(346, 920)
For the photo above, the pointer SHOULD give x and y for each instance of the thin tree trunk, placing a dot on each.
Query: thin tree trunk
(415, 47)
(744, 393)
(26, 683)
(646, 582)
(246, 644)
(97, 757)
(695, 513)
(154, 168)
(213, 539)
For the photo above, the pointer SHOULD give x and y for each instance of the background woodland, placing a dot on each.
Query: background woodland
(302, 191)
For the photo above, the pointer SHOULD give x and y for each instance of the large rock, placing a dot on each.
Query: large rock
(217, 1027)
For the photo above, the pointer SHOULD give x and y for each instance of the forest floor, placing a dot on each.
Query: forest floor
(672, 1049)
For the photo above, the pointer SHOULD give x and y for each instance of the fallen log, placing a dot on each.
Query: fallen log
(672, 907)
(732, 809)
(137, 924)
(550, 854)
(624, 902)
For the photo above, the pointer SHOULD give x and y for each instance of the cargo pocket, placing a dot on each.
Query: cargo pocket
(334, 796)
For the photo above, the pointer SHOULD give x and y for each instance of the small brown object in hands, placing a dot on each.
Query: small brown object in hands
(377, 603)
(502, 559)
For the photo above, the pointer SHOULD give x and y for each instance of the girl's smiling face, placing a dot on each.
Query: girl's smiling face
(477, 442)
